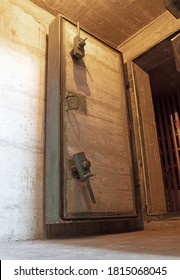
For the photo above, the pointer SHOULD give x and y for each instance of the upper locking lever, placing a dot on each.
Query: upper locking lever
(79, 44)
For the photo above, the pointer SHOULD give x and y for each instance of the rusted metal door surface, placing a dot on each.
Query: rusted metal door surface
(94, 120)
(99, 128)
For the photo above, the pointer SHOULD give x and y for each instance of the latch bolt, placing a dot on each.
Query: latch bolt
(79, 44)
(81, 167)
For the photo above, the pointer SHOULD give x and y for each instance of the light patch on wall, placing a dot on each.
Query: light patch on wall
(19, 85)
(21, 143)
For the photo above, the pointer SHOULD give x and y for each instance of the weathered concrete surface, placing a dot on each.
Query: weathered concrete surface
(138, 245)
(172, 225)
(23, 29)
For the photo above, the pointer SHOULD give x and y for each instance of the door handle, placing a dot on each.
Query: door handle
(81, 168)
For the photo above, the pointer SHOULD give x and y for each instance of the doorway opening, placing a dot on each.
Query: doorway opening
(164, 79)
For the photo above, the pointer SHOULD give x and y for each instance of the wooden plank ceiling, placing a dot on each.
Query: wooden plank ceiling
(114, 21)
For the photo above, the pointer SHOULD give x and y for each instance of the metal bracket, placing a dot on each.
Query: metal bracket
(81, 167)
(79, 44)
(69, 105)
(76, 101)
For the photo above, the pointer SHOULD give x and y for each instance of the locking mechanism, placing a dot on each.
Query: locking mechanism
(79, 44)
(81, 169)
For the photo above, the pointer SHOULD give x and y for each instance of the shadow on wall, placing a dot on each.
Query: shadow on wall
(80, 72)
(80, 75)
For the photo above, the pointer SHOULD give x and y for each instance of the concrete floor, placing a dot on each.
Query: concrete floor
(137, 245)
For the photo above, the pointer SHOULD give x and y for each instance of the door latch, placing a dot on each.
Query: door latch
(79, 44)
(81, 168)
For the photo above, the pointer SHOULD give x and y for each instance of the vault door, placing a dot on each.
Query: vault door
(95, 122)
(86, 118)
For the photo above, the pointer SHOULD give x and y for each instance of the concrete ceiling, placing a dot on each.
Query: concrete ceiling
(114, 21)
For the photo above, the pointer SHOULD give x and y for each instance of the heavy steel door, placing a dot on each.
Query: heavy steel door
(94, 120)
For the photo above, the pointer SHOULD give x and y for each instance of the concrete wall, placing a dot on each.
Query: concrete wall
(23, 29)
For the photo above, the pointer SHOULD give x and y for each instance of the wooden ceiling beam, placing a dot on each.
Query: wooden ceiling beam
(149, 36)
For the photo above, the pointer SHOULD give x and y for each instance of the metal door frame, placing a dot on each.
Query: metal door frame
(119, 223)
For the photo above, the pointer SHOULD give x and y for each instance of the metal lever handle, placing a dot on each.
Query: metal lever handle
(82, 43)
(90, 191)
(81, 168)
